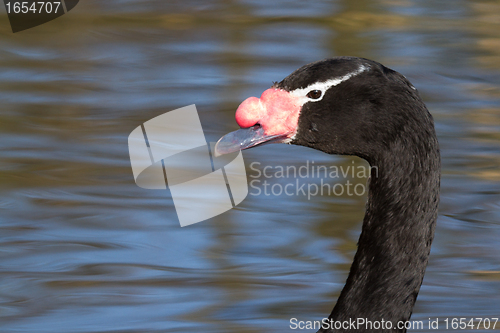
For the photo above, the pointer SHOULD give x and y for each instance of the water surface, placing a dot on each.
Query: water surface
(83, 249)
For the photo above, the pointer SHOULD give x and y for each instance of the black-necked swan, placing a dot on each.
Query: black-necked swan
(355, 106)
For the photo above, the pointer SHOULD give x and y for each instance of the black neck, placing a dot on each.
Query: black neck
(396, 238)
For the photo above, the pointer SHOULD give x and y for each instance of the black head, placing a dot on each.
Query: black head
(343, 105)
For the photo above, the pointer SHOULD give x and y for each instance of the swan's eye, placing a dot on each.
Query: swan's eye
(314, 94)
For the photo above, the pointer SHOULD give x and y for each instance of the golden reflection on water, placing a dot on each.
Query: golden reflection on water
(101, 254)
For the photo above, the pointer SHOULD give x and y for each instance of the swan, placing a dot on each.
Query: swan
(356, 106)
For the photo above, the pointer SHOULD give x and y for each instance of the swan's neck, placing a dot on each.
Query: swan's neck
(396, 238)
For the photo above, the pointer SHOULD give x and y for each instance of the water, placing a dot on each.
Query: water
(83, 249)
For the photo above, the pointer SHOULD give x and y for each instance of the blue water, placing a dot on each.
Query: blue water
(83, 249)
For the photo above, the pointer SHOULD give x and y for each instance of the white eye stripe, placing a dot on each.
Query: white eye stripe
(324, 86)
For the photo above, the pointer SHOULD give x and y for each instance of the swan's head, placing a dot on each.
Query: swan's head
(343, 105)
